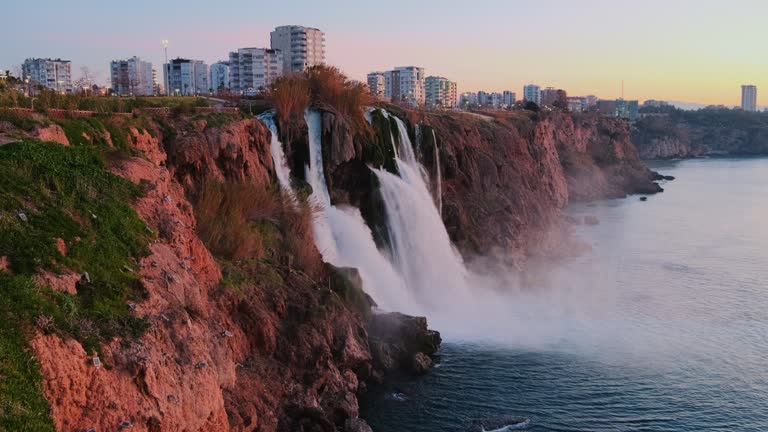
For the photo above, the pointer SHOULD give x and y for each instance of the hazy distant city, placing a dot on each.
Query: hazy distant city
(249, 71)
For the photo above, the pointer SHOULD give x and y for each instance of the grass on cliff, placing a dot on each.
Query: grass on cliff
(48, 192)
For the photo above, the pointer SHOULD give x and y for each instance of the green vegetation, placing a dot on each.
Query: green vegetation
(48, 192)
(20, 120)
(217, 120)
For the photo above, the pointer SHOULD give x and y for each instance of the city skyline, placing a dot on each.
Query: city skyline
(599, 44)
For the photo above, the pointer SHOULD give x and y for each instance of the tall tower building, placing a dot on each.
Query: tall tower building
(302, 47)
(749, 98)
(532, 93)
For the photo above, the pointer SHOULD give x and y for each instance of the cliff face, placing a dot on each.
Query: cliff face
(261, 344)
(679, 134)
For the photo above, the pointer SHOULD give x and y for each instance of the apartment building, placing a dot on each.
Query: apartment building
(440, 92)
(185, 77)
(301, 47)
(132, 77)
(220, 76)
(252, 70)
(54, 74)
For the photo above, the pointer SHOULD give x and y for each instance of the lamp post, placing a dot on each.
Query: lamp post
(167, 68)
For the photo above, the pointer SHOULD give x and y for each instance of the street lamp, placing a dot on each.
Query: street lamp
(167, 68)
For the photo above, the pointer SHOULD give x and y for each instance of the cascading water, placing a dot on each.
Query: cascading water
(422, 273)
(343, 238)
(278, 156)
(439, 176)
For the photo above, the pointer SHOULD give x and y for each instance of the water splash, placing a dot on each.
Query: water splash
(278, 156)
(439, 176)
(344, 239)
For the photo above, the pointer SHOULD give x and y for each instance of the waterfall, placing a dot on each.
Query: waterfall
(439, 189)
(278, 156)
(344, 239)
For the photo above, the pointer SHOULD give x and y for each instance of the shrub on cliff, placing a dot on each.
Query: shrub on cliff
(290, 96)
(321, 86)
(240, 221)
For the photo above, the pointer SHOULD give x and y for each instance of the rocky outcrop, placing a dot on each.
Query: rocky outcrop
(52, 133)
(402, 343)
(236, 151)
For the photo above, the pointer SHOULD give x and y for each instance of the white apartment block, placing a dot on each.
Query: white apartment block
(53, 74)
(440, 92)
(405, 84)
(132, 77)
(508, 98)
(749, 98)
(376, 84)
(302, 47)
(532, 93)
(252, 70)
(220, 76)
(186, 77)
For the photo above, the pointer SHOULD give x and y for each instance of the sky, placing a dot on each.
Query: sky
(698, 51)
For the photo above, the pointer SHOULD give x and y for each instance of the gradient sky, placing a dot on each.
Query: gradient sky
(685, 50)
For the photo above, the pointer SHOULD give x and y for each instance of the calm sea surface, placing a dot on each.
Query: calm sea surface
(665, 326)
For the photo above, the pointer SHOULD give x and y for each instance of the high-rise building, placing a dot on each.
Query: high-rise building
(302, 47)
(55, 74)
(550, 96)
(591, 100)
(405, 84)
(133, 76)
(252, 70)
(186, 77)
(749, 98)
(468, 99)
(440, 92)
(220, 76)
(376, 84)
(483, 98)
(495, 100)
(532, 93)
(577, 104)
(627, 109)
(508, 98)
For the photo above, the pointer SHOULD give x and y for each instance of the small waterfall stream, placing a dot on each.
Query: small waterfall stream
(278, 156)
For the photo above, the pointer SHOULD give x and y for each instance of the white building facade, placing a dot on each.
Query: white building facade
(186, 77)
(132, 77)
(54, 74)
(376, 84)
(508, 98)
(440, 92)
(749, 98)
(405, 84)
(252, 70)
(532, 93)
(220, 76)
(302, 47)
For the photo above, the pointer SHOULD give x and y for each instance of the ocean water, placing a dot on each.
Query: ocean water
(662, 326)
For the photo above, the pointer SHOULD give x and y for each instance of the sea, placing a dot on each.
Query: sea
(662, 325)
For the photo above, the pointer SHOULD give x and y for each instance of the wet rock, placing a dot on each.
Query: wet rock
(356, 425)
(421, 363)
(401, 342)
